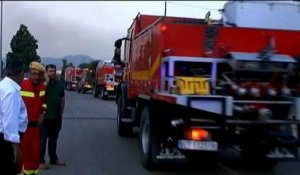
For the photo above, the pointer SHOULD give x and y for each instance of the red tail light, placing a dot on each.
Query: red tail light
(196, 134)
(163, 28)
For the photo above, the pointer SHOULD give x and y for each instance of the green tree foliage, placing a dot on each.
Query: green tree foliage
(70, 65)
(23, 46)
(83, 65)
(91, 65)
(62, 75)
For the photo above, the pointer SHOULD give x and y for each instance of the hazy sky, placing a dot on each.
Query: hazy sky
(68, 28)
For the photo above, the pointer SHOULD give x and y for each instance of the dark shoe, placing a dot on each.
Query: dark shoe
(59, 163)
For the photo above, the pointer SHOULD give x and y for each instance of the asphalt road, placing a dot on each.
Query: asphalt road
(89, 145)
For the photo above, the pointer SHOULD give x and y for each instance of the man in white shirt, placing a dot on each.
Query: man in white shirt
(13, 117)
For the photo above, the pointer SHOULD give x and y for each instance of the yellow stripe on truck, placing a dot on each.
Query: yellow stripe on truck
(140, 75)
(155, 66)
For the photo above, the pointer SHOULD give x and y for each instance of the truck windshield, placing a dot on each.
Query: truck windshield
(89, 77)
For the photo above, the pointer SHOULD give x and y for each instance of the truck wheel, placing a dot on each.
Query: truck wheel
(95, 92)
(148, 142)
(124, 129)
(103, 96)
(68, 87)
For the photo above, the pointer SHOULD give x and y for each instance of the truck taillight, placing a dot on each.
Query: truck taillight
(255, 92)
(163, 28)
(196, 134)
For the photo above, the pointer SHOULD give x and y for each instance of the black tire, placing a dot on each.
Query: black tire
(148, 142)
(95, 92)
(124, 129)
(102, 94)
(68, 87)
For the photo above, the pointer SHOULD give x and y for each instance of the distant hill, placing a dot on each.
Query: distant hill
(75, 59)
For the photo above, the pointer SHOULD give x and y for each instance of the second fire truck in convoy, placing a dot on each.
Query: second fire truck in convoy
(71, 77)
(201, 85)
(85, 81)
(107, 77)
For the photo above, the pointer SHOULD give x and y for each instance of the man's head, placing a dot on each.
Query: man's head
(36, 72)
(15, 70)
(51, 71)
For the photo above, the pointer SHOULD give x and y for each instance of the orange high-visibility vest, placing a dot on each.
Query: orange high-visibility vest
(34, 99)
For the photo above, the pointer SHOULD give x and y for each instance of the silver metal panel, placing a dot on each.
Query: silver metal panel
(245, 56)
(215, 106)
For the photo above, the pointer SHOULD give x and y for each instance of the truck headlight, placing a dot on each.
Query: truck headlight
(265, 114)
(272, 92)
(241, 91)
(254, 92)
(286, 91)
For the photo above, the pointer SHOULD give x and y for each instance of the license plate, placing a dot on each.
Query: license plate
(198, 145)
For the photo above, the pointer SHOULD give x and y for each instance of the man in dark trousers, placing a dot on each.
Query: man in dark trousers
(52, 123)
(13, 117)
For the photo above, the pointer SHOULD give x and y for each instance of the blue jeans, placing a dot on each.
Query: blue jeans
(49, 132)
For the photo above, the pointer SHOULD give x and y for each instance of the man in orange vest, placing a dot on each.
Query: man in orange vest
(33, 94)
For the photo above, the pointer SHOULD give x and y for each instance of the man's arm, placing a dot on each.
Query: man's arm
(62, 104)
(62, 99)
(10, 107)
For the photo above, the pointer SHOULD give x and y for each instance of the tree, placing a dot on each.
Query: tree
(23, 46)
(91, 65)
(62, 75)
(83, 65)
(70, 65)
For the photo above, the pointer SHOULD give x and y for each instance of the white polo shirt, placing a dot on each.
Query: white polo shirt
(13, 113)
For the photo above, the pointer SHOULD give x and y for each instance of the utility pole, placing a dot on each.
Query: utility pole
(165, 8)
(1, 61)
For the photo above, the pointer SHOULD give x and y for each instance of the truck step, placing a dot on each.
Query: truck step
(130, 108)
(126, 120)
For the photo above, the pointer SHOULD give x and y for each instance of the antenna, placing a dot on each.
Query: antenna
(165, 8)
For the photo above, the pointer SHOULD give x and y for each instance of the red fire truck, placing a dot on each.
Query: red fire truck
(201, 85)
(71, 77)
(106, 79)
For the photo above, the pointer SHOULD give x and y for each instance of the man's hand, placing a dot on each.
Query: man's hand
(41, 119)
(47, 79)
(17, 155)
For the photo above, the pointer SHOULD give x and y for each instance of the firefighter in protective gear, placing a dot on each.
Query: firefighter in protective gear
(33, 94)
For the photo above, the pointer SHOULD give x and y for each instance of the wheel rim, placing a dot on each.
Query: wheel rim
(118, 115)
(102, 92)
(145, 137)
